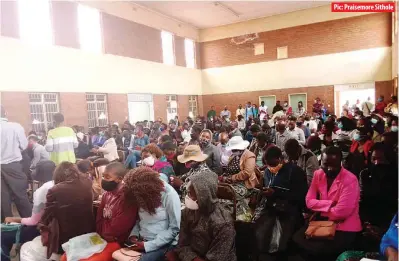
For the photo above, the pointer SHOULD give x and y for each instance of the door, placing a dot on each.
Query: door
(270, 102)
(140, 111)
(294, 98)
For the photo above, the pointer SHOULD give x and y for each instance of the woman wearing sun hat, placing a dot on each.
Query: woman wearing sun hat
(195, 160)
(241, 174)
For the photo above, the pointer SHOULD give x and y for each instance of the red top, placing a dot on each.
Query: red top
(366, 147)
(380, 106)
(115, 219)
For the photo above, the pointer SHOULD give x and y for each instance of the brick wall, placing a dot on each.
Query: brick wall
(182, 106)
(179, 51)
(159, 101)
(16, 105)
(362, 32)
(232, 100)
(9, 19)
(384, 88)
(74, 108)
(117, 108)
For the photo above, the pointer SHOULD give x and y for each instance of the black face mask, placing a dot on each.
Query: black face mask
(331, 173)
(109, 185)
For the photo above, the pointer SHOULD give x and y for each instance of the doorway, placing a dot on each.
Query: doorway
(352, 93)
(140, 107)
(270, 102)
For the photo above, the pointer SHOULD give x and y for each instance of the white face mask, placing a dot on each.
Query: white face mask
(149, 161)
(190, 204)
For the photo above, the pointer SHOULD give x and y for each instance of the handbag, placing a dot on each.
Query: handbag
(11, 228)
(126, 254)
(320, 229)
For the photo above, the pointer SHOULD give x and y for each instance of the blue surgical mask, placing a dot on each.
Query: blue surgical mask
(340, 125)
(394, 128)
(374, 121)
(356, 137)
(161, 129)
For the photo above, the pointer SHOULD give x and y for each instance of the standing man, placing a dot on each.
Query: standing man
(277, 108)
(240, 111)
(249, 111)
(14, 181)
(262, 112)
(61, 142)
(296, 132)
(211, 113)
(225, 113)
(39, 152)
(367, 107)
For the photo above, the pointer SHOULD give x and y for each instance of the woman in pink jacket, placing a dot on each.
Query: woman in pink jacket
(334, 194)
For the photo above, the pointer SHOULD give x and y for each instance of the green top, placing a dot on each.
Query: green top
(61, 143)
(211, 113)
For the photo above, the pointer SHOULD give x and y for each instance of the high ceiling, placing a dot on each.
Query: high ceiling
(211, 14)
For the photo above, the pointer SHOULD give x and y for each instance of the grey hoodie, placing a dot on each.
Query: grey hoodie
(208, 232)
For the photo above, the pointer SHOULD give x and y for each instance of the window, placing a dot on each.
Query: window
(97, 110)
(192, 106)
(42, 108)
(171, 111)
(168, 53)
(89, 24)
(34, 21)
(189, 51)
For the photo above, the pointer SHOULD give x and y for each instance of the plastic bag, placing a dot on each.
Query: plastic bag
(83, 246)
(276, 236)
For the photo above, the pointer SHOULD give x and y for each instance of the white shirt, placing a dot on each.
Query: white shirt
(262, 112)
(241, 124)
(240, 112)
(312, 125)
(298, 134)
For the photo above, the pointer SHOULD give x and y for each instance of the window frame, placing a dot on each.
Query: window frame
(46, 120)
(193, 100)
(164, 61)
(194, 65)
(97, 111)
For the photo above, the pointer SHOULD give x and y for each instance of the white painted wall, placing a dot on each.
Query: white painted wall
(340, 68)
(55, 69)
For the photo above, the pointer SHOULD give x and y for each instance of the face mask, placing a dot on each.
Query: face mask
(340, 125)
(191, 165)
(356, 137)
(149, 161)
(108, 185)
(374, 121)
(379, 100)
(171, 156)
(101, 133)
(204, 143)
(331, 173)
(276, 169)
(394, 128)
(190, 204)
(285, 104)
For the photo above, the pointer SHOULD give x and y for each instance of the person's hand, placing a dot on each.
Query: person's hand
(176, 182)
(12, 220)
(228, 180)
(94, 151)
(139, 246)
(391, 254)
(267, 192)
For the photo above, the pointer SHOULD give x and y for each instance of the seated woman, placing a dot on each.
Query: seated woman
(158, 227)
(213, 160)
(194, 160)
(94, 172)
(359, 151)
(109, 148)
(153, 157)
(283, 198)
(29, 225)
(211, 239)
(68, 213)
(241, 174)
(334, 193)
(379, 189)
(388, 247)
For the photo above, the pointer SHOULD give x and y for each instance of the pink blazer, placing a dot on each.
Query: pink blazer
(345, 191)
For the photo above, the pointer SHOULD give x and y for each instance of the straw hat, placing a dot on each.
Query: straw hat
(237, 143)
(192, 152)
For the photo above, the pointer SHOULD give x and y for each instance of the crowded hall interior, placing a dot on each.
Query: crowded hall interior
(199, 130)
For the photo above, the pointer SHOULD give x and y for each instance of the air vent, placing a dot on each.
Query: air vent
(282, 52)
(259, 48)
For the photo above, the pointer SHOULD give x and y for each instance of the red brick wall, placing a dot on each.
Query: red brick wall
(117, 108)
(74, 108)
(179, 51)
(231, 100)
(16, 105)
(182, 106)
(384, 88)
(65, 23)
(362, 32)
(159, 106)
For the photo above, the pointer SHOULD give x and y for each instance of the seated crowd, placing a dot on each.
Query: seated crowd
(294, 185)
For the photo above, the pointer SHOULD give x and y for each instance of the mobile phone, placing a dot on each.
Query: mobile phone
(128, 244)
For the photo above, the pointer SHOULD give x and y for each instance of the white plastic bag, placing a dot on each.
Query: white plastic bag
(84, 246)
(276, 236)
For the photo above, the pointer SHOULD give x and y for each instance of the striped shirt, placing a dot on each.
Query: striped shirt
(61, 143)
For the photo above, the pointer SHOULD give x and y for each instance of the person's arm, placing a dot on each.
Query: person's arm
(312, 164)
(347, 201)
(222, 243)
(49, 143)
(302, 140)
(33, 220)
(183, 248)
(216, 161)
(23, 142)
(106, 149)
(245, 174)
(387, 241)
(75, 140)
(173, 211)
(312, 202)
